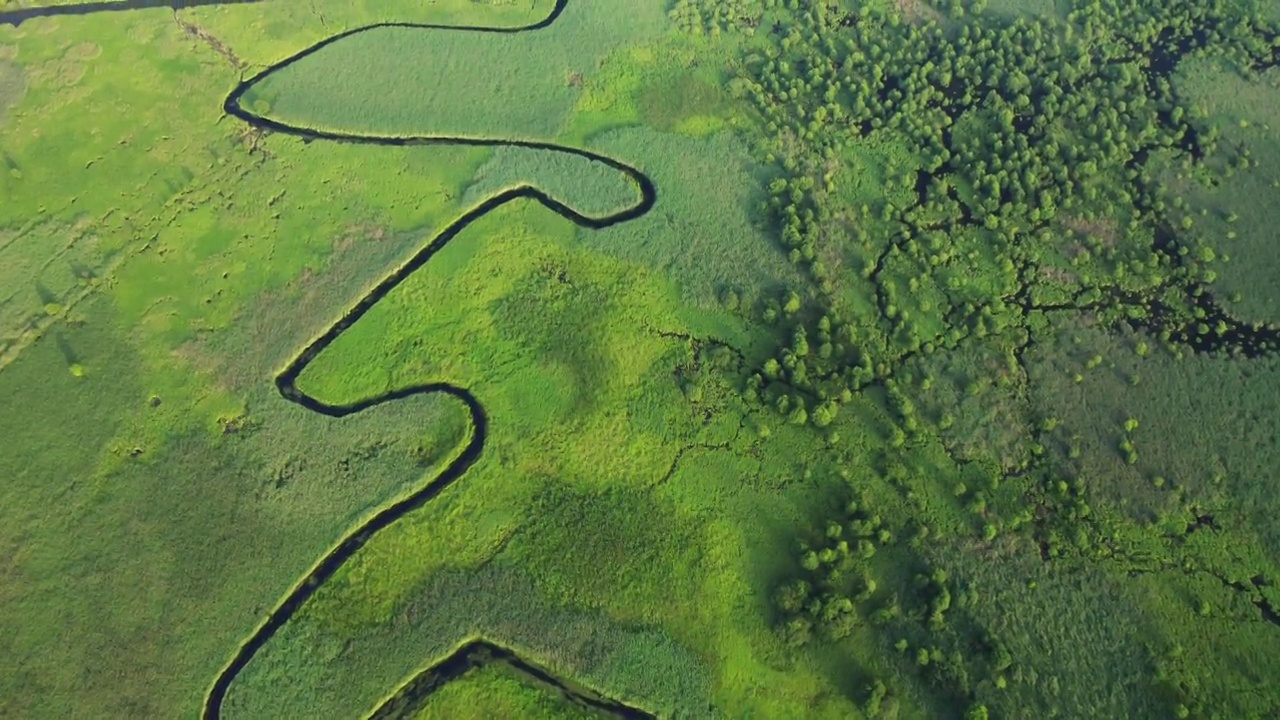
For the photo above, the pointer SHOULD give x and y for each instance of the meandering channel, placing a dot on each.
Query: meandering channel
(286, 381)
(1248, 341)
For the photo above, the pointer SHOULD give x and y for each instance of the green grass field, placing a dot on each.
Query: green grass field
(494, 692)
(853, 422)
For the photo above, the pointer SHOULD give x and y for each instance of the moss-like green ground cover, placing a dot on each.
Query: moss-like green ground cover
(855, 422)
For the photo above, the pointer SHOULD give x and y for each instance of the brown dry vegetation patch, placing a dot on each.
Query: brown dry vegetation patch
(63, 72)
(910, 9)
(67, 70)
(1059, 275)
(833, 257)
(1105, 229)
(277, 323)
(13, 86)
(917, 11)
(83, 51)
(1001, 548)
(217, 45)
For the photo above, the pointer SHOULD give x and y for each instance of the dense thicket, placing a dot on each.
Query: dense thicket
(841, 589)
(1029, 157)
(1002, 169)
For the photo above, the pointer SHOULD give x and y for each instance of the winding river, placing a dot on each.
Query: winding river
(286, 382)
(1249, 341)
(414, 692)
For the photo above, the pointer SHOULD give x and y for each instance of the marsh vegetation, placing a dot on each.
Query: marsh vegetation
(765, 358)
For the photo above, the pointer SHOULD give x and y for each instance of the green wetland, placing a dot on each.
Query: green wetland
(639, 359)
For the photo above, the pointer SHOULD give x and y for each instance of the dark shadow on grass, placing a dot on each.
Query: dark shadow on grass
(17, 17)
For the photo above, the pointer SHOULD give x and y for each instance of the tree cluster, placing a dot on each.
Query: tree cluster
(713, 17)
(836, 579)
(1033, 140)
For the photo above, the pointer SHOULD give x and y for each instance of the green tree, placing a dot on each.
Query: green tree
(791, 596)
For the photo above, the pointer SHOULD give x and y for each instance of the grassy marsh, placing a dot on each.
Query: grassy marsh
(807, 342)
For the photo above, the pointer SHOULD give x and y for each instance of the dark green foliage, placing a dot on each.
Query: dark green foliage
(1030, 181)
(716, 16)
(846, 585)
(1025, 132)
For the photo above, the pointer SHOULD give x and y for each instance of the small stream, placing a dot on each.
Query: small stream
(286, 382)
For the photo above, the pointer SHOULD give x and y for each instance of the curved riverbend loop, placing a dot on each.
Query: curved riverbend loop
(411, 696)
(286, 382)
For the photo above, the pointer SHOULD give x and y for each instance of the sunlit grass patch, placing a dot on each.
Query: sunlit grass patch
(404, 81)
(496, 691)
(589, 187)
